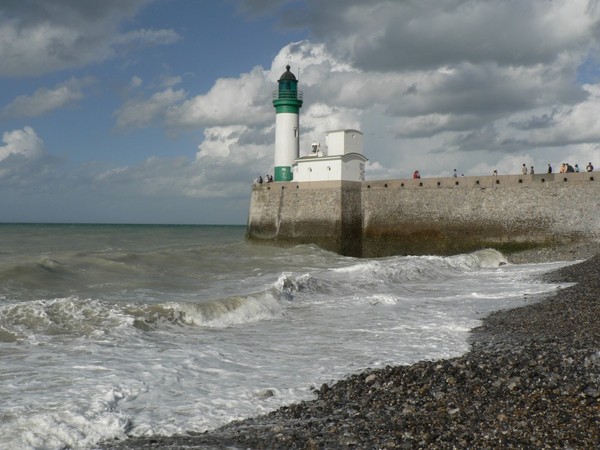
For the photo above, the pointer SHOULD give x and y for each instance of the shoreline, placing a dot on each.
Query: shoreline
(531, 379)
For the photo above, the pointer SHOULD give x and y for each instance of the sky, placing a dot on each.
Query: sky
(160, 111)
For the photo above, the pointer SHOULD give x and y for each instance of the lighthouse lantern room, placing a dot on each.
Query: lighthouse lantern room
(287, 100)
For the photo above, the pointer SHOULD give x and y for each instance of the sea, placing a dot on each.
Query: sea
(109, 331)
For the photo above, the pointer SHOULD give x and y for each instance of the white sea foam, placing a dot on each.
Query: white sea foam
(176, 333)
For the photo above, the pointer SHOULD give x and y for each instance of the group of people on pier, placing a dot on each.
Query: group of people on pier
(564, 168)
(568, 168)
(259, 180)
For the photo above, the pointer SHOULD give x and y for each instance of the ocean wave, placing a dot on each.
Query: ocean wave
(486, 258)
(65, 273)
(31, 320)
(215, 313)
(265, 304)
(85, 316)
(422, 268)
(59, 316)
(78, 270)
(36, 273)
(288, 285)
(76, 426)
(369, 275)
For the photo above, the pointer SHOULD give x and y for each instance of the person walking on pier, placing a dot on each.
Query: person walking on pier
(524, 169)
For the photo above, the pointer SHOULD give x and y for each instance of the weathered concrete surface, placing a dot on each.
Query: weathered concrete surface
(428, 216)
(324, 213)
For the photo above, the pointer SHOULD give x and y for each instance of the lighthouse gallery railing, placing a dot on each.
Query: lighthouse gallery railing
(287, 95)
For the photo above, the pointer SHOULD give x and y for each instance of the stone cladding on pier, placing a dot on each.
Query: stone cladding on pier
(428, 215)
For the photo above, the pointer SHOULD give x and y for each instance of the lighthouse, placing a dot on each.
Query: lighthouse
(287, 100)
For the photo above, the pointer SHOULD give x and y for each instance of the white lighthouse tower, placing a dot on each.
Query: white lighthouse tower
(287, 100)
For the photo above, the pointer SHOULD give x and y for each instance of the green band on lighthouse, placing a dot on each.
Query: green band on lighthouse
(291, 102)
(283, 173)
(294, 109)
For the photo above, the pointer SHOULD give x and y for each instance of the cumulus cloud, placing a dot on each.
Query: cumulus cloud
(388, 35)
(460, 84)
(464, 83)
(448, 110)
(230, 101)
(467, 84)
(45, 100)
(38, 37)
(235, 153)
(215, 173)
(25, 166)
(238, 117)
(24, 143)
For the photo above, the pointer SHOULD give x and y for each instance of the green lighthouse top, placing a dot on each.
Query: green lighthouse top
(287, 98)
(287, 75)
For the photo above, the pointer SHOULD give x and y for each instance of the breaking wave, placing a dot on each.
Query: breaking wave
(79, 316)
(216, 313)
(423, 268)
(83, 317)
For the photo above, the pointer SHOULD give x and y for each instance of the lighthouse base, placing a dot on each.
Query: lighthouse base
(283, 173)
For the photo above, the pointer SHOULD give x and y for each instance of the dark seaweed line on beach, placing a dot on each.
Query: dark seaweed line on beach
(530, 380)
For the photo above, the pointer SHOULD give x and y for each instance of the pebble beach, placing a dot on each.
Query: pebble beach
(530, 380)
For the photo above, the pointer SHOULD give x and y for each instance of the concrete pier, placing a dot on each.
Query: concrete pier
(429, 215)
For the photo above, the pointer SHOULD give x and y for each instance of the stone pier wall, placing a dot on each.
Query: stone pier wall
(428, 216)
(327, 214)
